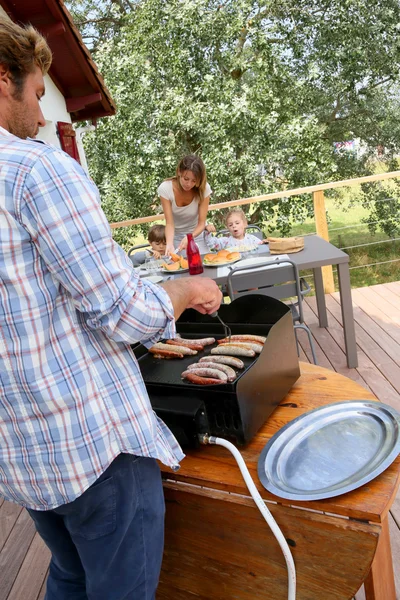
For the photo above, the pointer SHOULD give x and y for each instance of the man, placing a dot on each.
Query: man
(79, 440)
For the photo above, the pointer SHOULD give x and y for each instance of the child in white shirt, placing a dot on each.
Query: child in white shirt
(236, 222)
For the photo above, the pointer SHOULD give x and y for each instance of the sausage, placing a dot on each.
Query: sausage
(242, 337)
(233, 350)
(179, 342)
(206, 372)
(202, 341)
(224, 360)
(181, 349)
(252, 345)
(165, 353)
(193, 378)
(229, 372)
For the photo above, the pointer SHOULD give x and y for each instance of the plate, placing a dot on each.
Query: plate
(154, 278)
(330, 450)
(175, 272)
(230, 262)
(266, 258)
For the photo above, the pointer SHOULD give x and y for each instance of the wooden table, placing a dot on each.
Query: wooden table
(218, 545)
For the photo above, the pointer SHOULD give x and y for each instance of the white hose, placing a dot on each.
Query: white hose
(262, 508)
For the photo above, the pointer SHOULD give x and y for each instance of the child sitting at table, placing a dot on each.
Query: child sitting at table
(157, 241)
(236, 222)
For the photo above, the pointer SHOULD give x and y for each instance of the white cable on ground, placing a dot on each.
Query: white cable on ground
(205, 439)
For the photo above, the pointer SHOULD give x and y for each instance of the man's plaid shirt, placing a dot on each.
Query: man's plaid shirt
(71, 394)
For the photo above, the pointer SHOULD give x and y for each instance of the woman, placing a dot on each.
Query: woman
(185, 199)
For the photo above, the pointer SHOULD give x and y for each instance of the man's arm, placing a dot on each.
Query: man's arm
(61, 210)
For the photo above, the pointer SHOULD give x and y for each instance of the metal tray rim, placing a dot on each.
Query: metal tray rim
(273, 486)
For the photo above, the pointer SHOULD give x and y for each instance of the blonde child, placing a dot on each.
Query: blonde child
(157, 241)
(236, 223)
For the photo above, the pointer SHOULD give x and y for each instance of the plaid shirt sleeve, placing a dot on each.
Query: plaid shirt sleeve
(60, 208)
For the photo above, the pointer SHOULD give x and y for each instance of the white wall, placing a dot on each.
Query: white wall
(53, 108)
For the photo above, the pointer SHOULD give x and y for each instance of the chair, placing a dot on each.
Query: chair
(253, 229)
(132, 250)
(278, 279)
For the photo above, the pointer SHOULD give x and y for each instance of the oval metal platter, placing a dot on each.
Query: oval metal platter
(330, 450)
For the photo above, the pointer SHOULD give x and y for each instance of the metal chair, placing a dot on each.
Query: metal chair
(132, 250)
(278, 279)
(253, 229)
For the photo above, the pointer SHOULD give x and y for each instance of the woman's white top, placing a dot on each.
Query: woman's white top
(185, 217)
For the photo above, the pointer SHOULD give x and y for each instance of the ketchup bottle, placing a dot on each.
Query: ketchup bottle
(193, 256)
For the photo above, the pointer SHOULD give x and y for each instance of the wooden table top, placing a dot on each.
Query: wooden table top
(214, 467)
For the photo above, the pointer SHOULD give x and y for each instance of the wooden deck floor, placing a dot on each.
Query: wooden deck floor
(24, 558)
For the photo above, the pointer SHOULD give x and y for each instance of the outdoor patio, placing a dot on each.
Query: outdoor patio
(24, 558)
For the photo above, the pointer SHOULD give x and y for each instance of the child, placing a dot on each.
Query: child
(236, 222)
(157, 241)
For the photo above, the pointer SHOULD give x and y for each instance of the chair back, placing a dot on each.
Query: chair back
(253, 229)
(277, 278)
(134, 248)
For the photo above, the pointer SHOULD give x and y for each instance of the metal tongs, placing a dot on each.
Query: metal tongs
(226, 327)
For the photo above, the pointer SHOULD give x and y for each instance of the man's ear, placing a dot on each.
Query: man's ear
(6, 83)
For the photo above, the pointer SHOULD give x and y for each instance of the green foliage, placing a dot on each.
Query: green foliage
(260, 90)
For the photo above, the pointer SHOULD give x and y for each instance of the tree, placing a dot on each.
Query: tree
(261, 90)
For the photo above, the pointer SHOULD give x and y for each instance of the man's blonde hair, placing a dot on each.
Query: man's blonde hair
(21, 50)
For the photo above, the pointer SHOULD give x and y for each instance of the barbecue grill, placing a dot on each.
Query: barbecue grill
(233, 410)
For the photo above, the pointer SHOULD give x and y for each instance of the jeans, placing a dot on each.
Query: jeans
(108, 543)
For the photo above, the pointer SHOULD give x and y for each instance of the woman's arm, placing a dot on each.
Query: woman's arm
(201, 223)
(169, 225)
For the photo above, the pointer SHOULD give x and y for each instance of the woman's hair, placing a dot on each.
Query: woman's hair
(21, 50)
(193, 163)
(236, 211)
(156, 234)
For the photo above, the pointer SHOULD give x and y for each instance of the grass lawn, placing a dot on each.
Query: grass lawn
(347, 229)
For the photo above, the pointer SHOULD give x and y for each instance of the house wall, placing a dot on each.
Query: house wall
(54, 109)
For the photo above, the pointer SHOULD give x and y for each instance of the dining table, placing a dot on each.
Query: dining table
(317, 253)
(217, 544)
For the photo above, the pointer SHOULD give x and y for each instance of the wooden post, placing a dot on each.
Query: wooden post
(322, 230)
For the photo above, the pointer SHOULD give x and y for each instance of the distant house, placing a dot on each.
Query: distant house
(75, 90)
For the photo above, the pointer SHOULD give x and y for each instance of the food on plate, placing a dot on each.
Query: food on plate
(229, 372)
(223, 253)
(201, 341)
(252, 345)
(181, 349)
(194, 378)
(232, 350)
(247, 338)
(165, 353)
(224, 360)
(207, 372)
(187, 343)
(178, 263)
(175, 266)
(221, 257)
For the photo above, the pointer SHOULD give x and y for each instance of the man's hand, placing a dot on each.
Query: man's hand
(207, 296)
(199, 293)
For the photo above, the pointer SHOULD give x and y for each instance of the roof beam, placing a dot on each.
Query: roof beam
(79, 102)
(53, 29)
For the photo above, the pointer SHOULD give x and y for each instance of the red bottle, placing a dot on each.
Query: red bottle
(193, 256)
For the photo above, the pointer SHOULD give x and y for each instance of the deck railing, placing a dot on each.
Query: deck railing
(317, 191)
